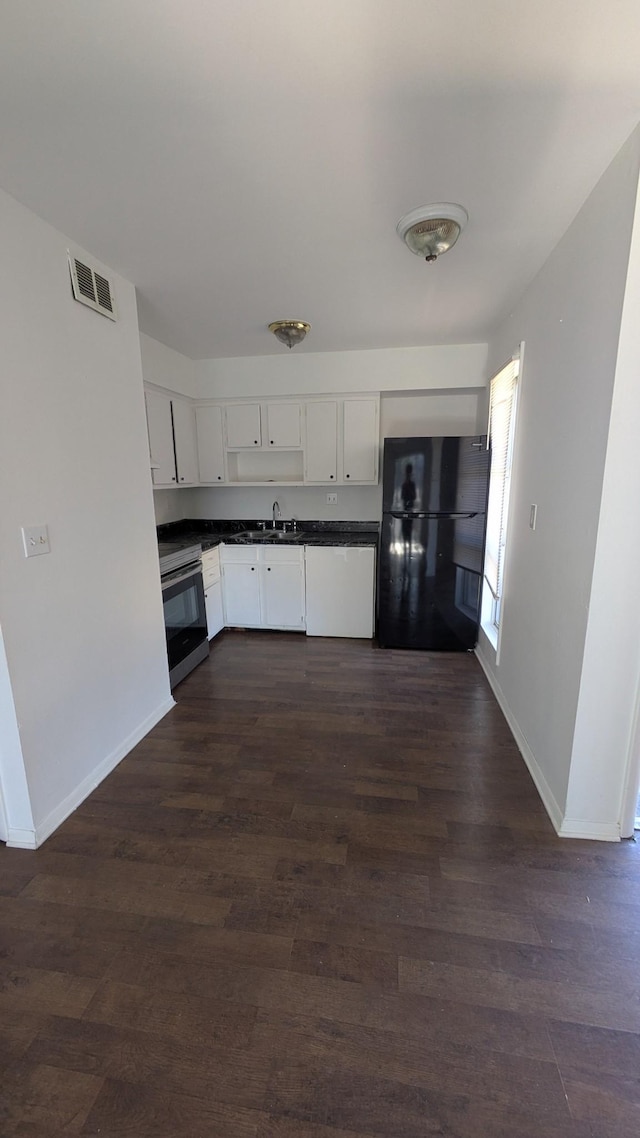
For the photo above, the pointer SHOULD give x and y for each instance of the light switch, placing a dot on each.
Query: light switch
(533, 516)
(332, 499)
(35, 540)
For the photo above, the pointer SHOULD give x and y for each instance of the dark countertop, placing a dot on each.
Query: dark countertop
(211, 533)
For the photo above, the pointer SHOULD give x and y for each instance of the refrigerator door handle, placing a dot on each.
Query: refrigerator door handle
(401, 514)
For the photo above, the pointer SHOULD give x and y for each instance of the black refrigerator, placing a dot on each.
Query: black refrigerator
(431, 552)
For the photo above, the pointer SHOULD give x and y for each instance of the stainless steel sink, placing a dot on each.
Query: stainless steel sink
(270, 535)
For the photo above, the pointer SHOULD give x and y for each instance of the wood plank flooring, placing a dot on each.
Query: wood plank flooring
(320, 900)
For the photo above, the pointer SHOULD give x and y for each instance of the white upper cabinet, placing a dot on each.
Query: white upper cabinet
(172, 439)
(209, 430)
(321, 444)
(184, 436)
(283, 425)
(160, 427)
(361, 441)
(314, 441)
(243, 425)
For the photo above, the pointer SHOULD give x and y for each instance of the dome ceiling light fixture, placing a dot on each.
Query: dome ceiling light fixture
(289, 332)
(432, 229)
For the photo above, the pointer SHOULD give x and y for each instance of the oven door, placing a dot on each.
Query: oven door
(185, 620)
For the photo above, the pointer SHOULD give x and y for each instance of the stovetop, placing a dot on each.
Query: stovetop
(175, 554)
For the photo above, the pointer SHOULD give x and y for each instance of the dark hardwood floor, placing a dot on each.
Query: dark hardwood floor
(320, 900)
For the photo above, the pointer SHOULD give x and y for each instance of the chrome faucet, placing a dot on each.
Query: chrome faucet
(275, 509)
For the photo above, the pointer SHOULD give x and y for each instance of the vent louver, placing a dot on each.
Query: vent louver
(91, 288)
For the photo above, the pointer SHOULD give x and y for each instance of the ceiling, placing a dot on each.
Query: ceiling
(243, 161)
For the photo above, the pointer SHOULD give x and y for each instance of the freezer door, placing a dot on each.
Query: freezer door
(443, 474)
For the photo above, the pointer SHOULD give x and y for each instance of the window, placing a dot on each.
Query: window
(501, 430)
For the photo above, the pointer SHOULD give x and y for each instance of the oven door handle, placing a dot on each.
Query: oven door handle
(195, 570)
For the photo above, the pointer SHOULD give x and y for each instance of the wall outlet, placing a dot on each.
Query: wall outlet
(35, 540)
(332, 499)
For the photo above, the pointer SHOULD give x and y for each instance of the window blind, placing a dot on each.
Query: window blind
(501, 422)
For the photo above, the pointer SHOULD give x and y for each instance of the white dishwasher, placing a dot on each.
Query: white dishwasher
(340, 590)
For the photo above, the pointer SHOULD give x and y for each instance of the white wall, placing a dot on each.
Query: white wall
(82, 626)
(570, 321)
(434, 413)
(355, 503)
(604, 743)
(165, 367)
(16, 815)
(311, 373)
(172, 505)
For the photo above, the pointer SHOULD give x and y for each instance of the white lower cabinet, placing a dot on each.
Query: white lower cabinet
(241, 592)
(340, 591)
(212, 591)
(263, 586)
(213, 607)
(283, 594)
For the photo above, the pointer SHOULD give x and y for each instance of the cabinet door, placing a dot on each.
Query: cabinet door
(283, 425)
(321, 449)
(340, 591)
(184, 434)
(283, 595)
(241, 595)
(213, 606)
(160, 427)
(243, 425)
(361, 440)
(210, 444)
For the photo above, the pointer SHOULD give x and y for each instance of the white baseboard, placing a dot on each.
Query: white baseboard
(21, 839)
(593, 831)
(29, 839)
(542, 786)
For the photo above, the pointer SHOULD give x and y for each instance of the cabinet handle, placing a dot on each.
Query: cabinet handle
(347, 476)
(255, 442)
(268, 568)
(331, 476)
(172, 478)
(182, 478)
(253, 568)
(271, 442)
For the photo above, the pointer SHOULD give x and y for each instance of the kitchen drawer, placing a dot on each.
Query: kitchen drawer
(281, 554)
(211, 558)
(210, 576)
(210, 567)
(239, 554)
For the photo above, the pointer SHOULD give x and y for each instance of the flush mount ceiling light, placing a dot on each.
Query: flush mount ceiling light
(432, 229)
(289, 332)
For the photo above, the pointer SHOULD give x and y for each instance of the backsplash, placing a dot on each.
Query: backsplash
(172, 505)
(354, 502)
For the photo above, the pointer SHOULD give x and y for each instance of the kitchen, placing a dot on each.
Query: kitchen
(326, 585)
(82, 669)
(321, 893)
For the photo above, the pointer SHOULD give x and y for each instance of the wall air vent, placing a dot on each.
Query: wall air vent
(91, 288)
